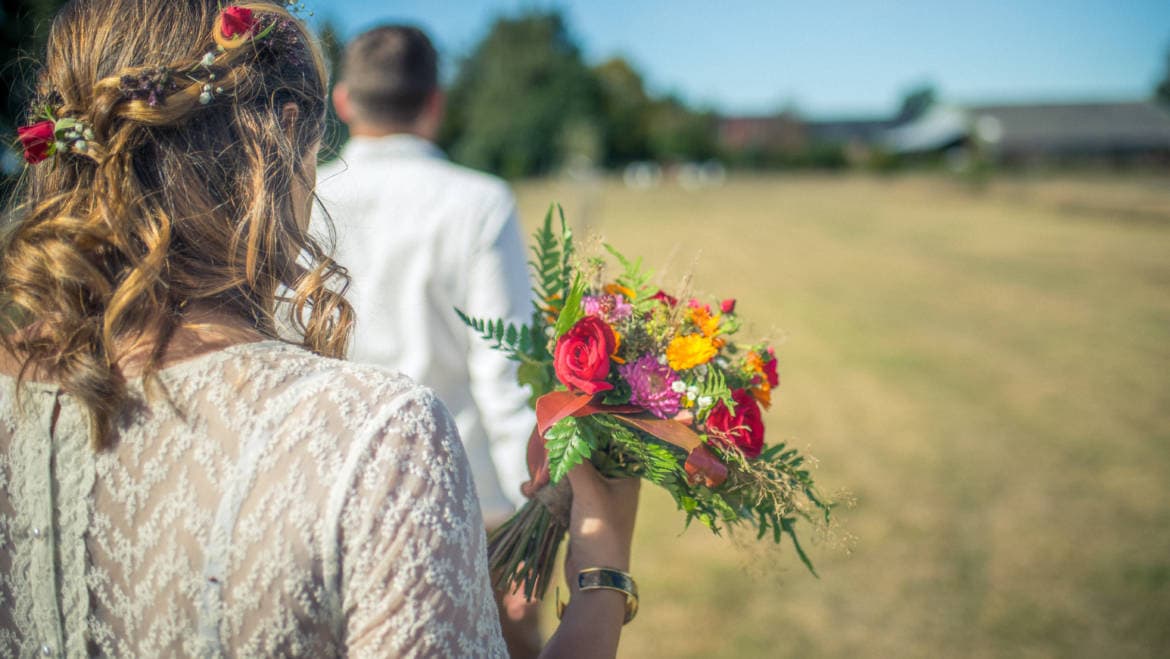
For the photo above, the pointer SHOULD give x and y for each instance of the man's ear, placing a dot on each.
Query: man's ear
(341, 103)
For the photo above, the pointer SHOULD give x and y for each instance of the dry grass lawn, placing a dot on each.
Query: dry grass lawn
(988, 374)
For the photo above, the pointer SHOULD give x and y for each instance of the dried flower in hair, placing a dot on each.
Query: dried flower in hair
(152, 85)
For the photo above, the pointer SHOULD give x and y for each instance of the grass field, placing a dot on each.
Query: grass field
(988, 375)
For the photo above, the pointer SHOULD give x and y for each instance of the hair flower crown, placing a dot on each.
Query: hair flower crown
(192, 82)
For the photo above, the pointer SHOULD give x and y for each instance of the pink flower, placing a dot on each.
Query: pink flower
(650, 386)
(612, 308)
(728, 305)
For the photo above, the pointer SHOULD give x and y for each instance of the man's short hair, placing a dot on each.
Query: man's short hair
(390, 72)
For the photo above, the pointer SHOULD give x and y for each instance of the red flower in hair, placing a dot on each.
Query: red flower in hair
(37, 140)
(236, 21)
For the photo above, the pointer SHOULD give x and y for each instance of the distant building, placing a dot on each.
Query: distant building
(1113, 134)
(1109, 133)
(848, 132)
(782, 133)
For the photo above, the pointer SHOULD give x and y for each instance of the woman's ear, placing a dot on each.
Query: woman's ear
(288, 119)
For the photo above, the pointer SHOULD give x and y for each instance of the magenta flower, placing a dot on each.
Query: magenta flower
(650, 386)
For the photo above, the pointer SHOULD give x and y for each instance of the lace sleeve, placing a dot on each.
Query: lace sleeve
(414, 577)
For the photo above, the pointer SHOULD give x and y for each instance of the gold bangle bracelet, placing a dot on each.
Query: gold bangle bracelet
(604, 578)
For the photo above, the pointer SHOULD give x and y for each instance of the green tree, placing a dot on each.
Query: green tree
(336, 132)
(625, 111)
(678, 133)
(1162, 92)
(517, 94)
(916, 102)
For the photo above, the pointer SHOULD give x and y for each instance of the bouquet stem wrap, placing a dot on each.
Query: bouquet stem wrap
(522, 551)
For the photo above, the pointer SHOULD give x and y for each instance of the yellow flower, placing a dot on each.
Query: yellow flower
(689, 351)
(617, 345)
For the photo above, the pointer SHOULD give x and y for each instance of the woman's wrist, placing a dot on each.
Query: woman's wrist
(599, 585)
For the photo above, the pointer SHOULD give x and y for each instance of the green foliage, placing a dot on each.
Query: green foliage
(916, 102)
(625, 108)
(637, 454)
(635, 278)
(714, 386)
(571, 311)
(336, 132)
(516, 95)
(679, 133)
(569, 442)
(550, 265)
(1162, 91)
(507, 337)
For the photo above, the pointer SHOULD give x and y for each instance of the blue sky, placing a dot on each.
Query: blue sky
(840, 58)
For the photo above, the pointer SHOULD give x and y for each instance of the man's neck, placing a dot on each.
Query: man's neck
(362, 130)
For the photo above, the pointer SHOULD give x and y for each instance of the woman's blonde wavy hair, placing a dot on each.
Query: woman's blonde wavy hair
(177, 202)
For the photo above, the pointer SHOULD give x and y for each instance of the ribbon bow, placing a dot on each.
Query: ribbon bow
(701, 465)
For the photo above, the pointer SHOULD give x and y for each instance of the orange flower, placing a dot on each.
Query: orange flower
(617, 344)
(615, 289)
(763, 394)
(702, 318)
(755, 363)
(689, 351)
(762, 388)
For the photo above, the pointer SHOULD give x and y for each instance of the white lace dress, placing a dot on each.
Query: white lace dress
(281, 504)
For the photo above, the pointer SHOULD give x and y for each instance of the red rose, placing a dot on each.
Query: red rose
(36, 139)
(728, 305)
(236, 20)
(669, 300)
(581, 358)
(744, 428)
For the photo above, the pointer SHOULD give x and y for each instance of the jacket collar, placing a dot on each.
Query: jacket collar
(399, 145)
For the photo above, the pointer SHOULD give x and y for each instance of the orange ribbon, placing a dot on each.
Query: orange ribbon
(701, 465)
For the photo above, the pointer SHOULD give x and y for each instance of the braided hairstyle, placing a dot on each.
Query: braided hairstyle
(198, 135)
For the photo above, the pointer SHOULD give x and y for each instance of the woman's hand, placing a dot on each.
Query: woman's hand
(601, 529)
(601, 521)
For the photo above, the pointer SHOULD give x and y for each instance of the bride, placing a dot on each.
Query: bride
(174, 478)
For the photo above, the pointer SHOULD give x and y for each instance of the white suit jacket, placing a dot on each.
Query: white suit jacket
(422, 237)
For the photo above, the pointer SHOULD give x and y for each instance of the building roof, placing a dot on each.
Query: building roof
(1077, 126)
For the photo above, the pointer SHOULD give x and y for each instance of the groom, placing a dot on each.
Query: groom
(422, 237)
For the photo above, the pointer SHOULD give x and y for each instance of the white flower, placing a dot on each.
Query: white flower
(208, 59)
(662, 360)
(678, 386)
(705, 401)
(692, 392)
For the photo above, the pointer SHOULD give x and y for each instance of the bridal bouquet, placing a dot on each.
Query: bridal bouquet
(642, 385)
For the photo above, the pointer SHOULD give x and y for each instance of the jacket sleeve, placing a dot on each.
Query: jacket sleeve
(499, 288)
